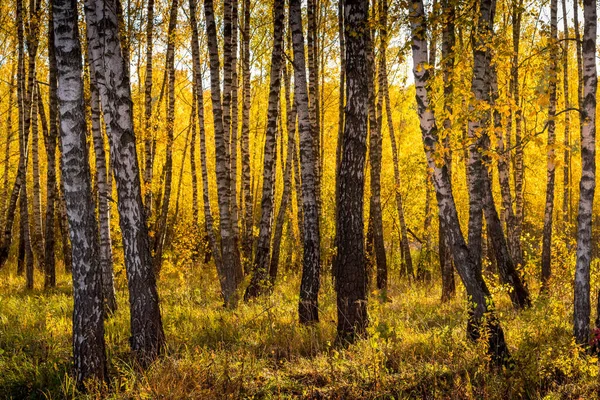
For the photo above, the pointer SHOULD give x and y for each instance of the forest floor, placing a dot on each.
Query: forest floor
(416, 346)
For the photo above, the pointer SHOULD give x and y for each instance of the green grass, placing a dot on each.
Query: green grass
(416, 346)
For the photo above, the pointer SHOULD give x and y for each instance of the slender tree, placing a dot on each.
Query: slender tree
(245, 137)
(566, 201)
(465, 262)
(231, 274)
(551, 156)
(105, 249)
(587, 184)
(148, 153)
(199, 96)
(262, 260)
(161, 228)
(375, 149)
(308, 308)
(89, 359)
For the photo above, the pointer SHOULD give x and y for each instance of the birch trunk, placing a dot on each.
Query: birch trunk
(50, 133)
(350, 267)
(105, 249)
(245, 140)
(375, 149)
(466, 264)
(199, 96)
(161, 228)
(260, 277)
(587, 185)
(447, 64)
(148, 154)
(36, 200)
(291, 114)
(231, 271)
(566, 201)
(308, 308)
(551, 153)
(407, 267)
(89, 356)
(147, 336)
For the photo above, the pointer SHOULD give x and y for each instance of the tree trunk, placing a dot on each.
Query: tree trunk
(313, 88)
(566, 203)
(519, 170)
(260, 277)
(105, 249)
(199, 96)
(342, 93)
(193, 168)
(147, 336)
(36, 224)
(587, 185)
(350, 267)
(9, 139)
(551, 156)
(161, 228)
(50, 133)
(447, 64)
(148, 154)
(245, 140)
(291, 115)
(24, 99)
(231, 274)
(375, 149)
(308, 308)
(234, 118)
(407, 267)
(89, 356)
(466, 264)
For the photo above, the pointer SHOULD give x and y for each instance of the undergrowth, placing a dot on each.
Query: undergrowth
(416, 347)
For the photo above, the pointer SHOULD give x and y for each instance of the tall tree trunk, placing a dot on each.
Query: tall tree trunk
(105, 249)
(199, 96)
(566, 201)
(161, 228)
(234, 118)
(447, 64)
(313, 87)
(148, 153)
(245, 140)
(466, 264)
(50, 133)
(587, 185)
(291, 114)
(519, 170)
(147, 336)
(9, 139)
(36, 225)
(89, 356)
(25, 87)
(350, 267)
(407, 267)
(260, 277)
(375, 149)
(67, 251)
(342, 93)
(231, 274)
(551, 156)
(308, 308)
(193, 168)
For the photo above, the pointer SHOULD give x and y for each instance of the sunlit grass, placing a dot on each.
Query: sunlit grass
(416, 346)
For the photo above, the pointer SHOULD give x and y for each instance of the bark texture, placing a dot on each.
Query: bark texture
(587, 184)
(89, 357)
(350, 265)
